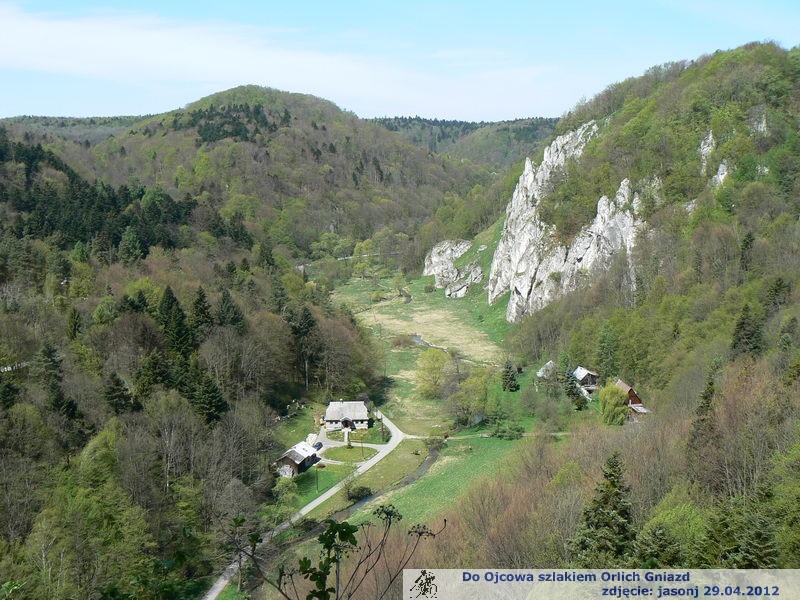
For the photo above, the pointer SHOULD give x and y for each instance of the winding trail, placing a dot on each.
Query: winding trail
(383, 450)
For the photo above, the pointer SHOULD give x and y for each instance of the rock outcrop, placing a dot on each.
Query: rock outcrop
(440, 262)
(539, 269)
(529, 260)
(534, 266)
(707, 146)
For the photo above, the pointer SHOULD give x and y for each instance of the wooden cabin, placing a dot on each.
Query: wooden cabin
(296, 460)
(587, 379)
(634, 402)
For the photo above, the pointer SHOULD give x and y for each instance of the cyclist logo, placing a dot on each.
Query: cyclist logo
(424, 586)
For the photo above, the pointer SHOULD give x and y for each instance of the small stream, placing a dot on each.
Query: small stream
(417, 339)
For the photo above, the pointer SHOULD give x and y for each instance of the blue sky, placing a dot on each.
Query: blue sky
(487, 60)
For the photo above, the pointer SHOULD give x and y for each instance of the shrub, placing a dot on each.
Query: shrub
(358, 492)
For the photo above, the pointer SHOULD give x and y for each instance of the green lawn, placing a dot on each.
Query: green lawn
(391, 470)
(368, 436)
(461, 464)
(319, 478)
(356, 453)
(295, 429)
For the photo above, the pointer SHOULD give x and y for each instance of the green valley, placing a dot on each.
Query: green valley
(182, 295)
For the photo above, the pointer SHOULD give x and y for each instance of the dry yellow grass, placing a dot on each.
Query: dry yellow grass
(436, 326)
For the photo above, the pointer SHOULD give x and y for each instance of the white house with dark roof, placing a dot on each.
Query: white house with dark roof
(346, 415)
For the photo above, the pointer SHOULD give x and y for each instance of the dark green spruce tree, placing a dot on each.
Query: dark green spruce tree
(73, 323)
(118, 397)
(172, 319)
(656, 548)
(509, 381)
(702, 448)
(228, 313)
(748, 337)
(573, 392)
(740, 536)
(203, 393)
(201, 321)
(47, 368)
(605, 535)
(303, 323)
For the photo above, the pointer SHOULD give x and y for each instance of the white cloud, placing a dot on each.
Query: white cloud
(154, 53)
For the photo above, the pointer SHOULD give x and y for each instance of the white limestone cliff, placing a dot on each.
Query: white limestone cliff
(440, 262)
(707, 146)
(541, 270)
(529, 261)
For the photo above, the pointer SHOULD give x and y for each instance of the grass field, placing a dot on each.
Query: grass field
(391, 470)
(461, 464)
(317, 480)
(295, 429)
(368, 436)
(356, 453)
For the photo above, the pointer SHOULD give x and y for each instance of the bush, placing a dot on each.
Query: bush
(434, 443)
(358, 492)
(377, 296)
(429, 288)
(402, 341)
(507, 432)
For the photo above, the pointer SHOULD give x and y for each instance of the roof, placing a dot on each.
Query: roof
(354, 411)
(623, 386)
(639, 408)
(547, 369)
(299, 452)
(582, 372)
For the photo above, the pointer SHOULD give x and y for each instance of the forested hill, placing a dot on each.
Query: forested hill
(147, 344)
(699, 316)
(291, 165)
(499, 145)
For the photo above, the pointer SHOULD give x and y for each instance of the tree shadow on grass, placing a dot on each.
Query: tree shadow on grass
(379, 392)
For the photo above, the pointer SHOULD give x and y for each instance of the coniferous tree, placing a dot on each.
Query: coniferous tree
(303, 323)
(509, 382)
(73, 323)
(9, 392)
(138, 303)
(605, 536)
(47, 367)
(130, 248)
(747, 334)
(166, 305)
(118, 397)
(656, 548)
(573, 392)
(703, 444)
(265, 258)
(739, 536)
(202, 391)
(201, 320)
(746, 252)
(605, 354)
(155, 369)
(173, 321)
(278, 297)
(228, 313)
